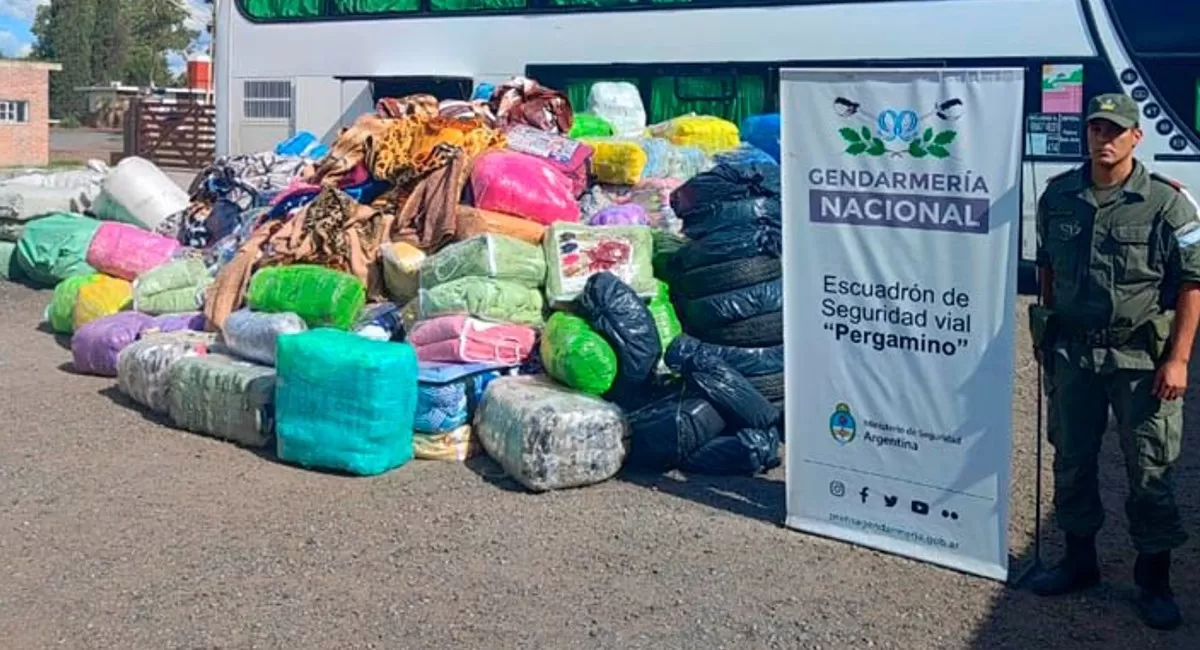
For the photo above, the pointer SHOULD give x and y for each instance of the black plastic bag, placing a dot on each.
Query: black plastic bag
(734, 397)
(710, 312)
(725, 182)
(749, 451)
(618, 314)
(750, 362)
(729, 244)
(665, 432)
(733, 215)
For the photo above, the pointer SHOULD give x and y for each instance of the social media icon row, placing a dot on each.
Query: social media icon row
(838, 489)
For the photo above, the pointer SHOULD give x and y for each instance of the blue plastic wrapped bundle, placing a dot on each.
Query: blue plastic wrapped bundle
(483, 91)
(448, 392)
(344, 402)
(302, 144)
(745, 154)
(762, 131)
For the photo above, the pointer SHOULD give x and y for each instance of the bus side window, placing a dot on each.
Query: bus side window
(732, 97)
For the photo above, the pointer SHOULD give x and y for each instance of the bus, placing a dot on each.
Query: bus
(283, 66)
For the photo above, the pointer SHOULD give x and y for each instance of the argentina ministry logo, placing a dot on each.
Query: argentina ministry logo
(842, 426)
(899, 132)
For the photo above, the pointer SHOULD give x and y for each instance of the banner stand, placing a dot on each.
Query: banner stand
(900, 266)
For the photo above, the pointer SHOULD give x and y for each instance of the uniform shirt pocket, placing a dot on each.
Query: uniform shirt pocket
(1135, 255)
(1067, 249)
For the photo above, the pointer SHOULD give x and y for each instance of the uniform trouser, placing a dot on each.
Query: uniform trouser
(1150, 432)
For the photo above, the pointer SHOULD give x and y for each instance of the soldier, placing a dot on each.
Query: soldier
(1119, 262)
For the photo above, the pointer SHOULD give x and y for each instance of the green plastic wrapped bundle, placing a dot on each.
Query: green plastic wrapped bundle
(490, 255)
(345, 402)
(55, 248)
(321, 296)
(223, 397)
(8, 261)
(665, 247)
(495, 300)
(172, 288)
(665, 320)
(574, 354)
(61, 312)
(587, 125)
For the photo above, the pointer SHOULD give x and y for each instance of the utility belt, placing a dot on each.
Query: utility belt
(1048, 329)
(1108, 337)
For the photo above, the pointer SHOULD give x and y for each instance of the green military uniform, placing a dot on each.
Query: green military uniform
(1118, 258)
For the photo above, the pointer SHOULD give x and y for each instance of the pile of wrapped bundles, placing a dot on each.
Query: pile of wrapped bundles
(567, 293)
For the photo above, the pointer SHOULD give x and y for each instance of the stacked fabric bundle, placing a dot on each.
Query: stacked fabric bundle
(375, 304)
(479, 307)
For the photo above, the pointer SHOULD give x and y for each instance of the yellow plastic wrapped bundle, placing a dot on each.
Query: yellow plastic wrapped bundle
(617, 162)
(706, 132)
(454, 445)
(401, 271)
(102, 297)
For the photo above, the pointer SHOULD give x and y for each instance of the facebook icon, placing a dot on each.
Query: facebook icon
(864, 493)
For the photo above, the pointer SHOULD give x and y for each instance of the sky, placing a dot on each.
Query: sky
(16, 16)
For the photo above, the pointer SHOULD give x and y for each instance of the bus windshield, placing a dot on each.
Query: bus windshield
(1164, 38)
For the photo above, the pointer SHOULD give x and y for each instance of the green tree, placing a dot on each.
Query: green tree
(110, 42)
(64, 30)
(156, 29)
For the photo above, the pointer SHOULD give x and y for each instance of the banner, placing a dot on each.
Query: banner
(902, 195)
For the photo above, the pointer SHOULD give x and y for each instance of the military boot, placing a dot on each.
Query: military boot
(1077, 570)
(1155, 601)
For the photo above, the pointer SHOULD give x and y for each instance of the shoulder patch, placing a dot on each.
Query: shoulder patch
(1182, 191)
(1158, 176)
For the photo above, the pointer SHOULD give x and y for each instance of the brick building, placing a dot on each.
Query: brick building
(25, 112)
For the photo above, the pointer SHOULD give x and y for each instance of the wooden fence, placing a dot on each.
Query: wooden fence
(181, 134)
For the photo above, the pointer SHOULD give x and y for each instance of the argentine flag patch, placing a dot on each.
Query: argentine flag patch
(1188, 235)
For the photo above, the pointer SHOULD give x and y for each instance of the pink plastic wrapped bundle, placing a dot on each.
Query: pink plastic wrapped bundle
(124, 251)
(524, 185)
(568, 156)
(462, 339)
(627, 214)
(96, 346)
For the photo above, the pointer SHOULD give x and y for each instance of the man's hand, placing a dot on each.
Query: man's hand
(1171, 380)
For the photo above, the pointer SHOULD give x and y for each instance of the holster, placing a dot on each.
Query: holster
(1159, 329)
(1044, 329)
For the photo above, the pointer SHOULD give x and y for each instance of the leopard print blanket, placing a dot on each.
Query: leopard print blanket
(412, 147)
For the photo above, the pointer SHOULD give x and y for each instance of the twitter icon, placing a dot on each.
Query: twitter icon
(890, 501)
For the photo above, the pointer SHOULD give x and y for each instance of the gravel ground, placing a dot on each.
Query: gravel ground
(120, 532)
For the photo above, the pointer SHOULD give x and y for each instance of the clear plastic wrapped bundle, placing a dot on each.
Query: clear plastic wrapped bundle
(549, 437)
(223, 397)
(143, 368)
(620, 104)
(499, 257)
(253, 335)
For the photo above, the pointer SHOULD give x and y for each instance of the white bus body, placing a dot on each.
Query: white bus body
(276, 78)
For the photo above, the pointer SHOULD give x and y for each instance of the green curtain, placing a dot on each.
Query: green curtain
(748, 98)
(373, 6)
(474, 5)
(277, 9)
(577, 90)
(590, 3)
